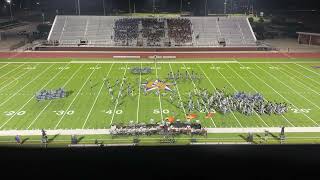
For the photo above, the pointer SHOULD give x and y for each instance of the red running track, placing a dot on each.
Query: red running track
(13, 55)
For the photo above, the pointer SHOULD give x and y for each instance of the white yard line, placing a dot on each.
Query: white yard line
(233, 88)
(289, 87)
(27, 101)
(256, 91)
(22, 88)
(51, 100)
(117, 100)
(289, 74)
(280, 95)
(184, 110)
(7, 84)
(236, 90)
(11, 70)
(161, 111)
(39, 115)
(215, 88)
(95, 101)
(302, 74)
(4, 65)
(194, 85)
(74, 98)
(307, 68)
(138, 105)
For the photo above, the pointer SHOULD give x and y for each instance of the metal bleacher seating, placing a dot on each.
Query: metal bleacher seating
(235, 30)
(99, 31)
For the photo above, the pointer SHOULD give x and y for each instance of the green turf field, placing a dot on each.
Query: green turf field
(295, 82)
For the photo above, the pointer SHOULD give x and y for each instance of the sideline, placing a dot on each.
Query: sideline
(107, 131)
(163, 61)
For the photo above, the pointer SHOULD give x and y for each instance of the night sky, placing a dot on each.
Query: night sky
(215, 6)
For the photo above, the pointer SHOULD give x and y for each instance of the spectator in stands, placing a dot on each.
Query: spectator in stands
(126, 30)
(180, 30)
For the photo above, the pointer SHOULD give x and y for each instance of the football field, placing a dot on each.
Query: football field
(89, 105)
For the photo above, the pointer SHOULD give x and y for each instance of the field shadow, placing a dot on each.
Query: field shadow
(246, 139)
(95, 85)
(101, 144)
(54, 137)
(80, 139)
(259, 136)
(69, 93)
(274, 136)
(120, 103)
(24, 140)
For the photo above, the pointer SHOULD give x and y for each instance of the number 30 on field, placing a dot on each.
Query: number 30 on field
(61, 112)
(12, 113)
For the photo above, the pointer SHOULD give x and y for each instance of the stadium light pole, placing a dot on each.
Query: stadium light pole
(180, 7)
(76, 6)
(225, 7)
(104, 7)
(206, 8)
(21, 2)
(134, 8)
(129, 6)
(153, 6)
(79, 7)
(10, 4)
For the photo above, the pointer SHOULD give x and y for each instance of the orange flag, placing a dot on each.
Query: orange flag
(209, 115)
(170, 119)
(191, 116)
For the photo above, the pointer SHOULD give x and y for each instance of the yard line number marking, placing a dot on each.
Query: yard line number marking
(29, 99)
(95, 101)
(280, 95)
(11, 113)
(117, 100)
(75, 98)
(62, 112)
(254, 89)
(51, 101)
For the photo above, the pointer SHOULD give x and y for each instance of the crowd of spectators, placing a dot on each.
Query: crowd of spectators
(153, 30)
(126, 29)
(180, 30)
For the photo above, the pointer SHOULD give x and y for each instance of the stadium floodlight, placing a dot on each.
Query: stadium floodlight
(104, 7)
(77, 5)
(181, 7)
(129, 7)
(206, 8)
(9, 2)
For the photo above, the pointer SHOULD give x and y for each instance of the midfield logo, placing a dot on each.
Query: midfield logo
(157, 85)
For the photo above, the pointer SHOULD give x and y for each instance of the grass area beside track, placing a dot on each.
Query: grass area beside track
(63, 141)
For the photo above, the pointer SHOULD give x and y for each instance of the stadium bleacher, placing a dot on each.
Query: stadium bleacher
(96, 31)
